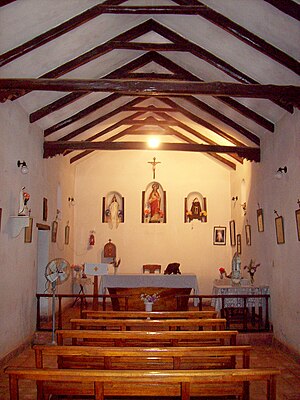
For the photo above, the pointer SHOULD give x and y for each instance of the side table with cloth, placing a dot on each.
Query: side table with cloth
(136, 284)
(232, 301)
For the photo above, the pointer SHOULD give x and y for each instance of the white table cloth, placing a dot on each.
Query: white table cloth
(149, 280)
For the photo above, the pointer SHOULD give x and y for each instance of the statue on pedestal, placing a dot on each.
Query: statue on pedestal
(236, 269)
(23, 200)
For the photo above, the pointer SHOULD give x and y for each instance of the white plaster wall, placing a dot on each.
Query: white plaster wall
(129, 173)
(21, 141)
(280, 266)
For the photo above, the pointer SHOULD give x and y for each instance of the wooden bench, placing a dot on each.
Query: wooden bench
(144, 358)
(181, 383)
(150, 324)
(145, 338)
(144, 315)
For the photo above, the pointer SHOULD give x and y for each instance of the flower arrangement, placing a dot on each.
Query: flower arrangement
(251, 269)
(149, 298)
(222, 272)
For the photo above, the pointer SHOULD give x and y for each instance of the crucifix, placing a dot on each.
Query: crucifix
(154, 163)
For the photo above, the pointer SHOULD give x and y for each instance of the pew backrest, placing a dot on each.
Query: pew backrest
(136, 383)
(150, 324)
(146, 338)
(152, 315)
(144, 358)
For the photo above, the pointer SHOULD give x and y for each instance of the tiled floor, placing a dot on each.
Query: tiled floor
(263, 355)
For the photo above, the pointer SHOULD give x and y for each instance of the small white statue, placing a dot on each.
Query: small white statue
(236, 269)
(23, 200)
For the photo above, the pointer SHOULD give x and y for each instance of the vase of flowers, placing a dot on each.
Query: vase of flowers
(149, 300)
(251, 269)
(222, 272)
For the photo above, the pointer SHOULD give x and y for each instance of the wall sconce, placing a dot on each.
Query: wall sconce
(234, 198)
(71, 201)
(280, 172)
(23, 166)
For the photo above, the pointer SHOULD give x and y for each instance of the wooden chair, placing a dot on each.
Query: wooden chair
(151, 268)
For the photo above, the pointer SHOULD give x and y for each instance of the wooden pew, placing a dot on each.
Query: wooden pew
(150, 324)
(144, 314)
(145, 338)
(144, 358)
(182, 383)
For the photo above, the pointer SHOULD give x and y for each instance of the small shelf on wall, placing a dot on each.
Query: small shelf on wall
(18, 222)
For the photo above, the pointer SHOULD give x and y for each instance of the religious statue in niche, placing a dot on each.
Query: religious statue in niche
(154, 204)
(195, 207)
(113, 209)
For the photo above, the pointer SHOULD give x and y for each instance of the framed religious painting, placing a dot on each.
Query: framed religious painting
(279, 230)
(67, 233)
(28, 232)
(239, 243)
(113, 209)
(154, 204)
(219, 235)
(297, 214)
(45, 209)
(195, 207)
(54, 231)
(260, 220)
(248, 234)
(232, 233)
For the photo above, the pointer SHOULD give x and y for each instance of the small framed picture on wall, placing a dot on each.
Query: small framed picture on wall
(239, 243)
(279, 230)
(232, 233)
(297, 213)
(260, 220)
(248, 235)
(219, 235)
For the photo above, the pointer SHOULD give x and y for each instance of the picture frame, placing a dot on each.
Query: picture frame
(219, 235)
(260, 220)
(248, 234)
(54, 231)
(45, 209)
(67, 234)
(297, 215)
(279, 230)
(239, 243)
(154, 204)
(28, 231)
(232, 233)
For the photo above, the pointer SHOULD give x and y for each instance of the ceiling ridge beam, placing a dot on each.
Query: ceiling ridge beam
(245, 35)
(58, 147)
(152, 87)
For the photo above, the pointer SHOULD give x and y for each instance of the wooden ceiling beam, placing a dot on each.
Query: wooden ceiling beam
(244, 35)
(152, 87)
(54, 33)
(288, 7)
(59, 147)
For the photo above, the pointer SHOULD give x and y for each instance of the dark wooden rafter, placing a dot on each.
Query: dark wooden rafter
(54, 33)
(143, 60)
(287, 6)
(53, 148)
(5, 2)
(153, 88)
(151, 25)
(99, 120)
(244, 35)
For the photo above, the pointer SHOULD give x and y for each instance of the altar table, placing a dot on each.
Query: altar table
(155, 281)
(233, 301)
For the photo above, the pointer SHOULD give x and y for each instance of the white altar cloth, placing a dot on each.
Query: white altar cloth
(150, 280)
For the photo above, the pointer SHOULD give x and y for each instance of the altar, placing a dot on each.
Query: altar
(133, 285)
(244, 297)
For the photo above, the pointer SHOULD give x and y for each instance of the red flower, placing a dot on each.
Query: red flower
(222, 270)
